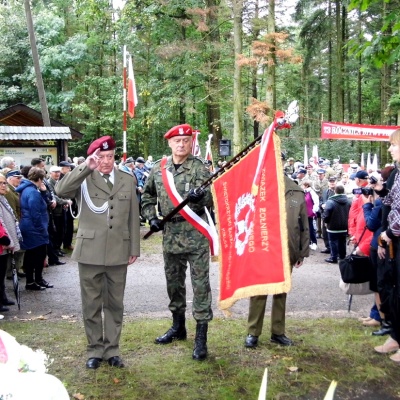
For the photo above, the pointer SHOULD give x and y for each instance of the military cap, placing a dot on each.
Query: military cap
(179, 130)
(332, 179)
(301, 171)
(140, 160)
(362, 175)
(64, 164)
(129, 160)
(13, 172)
(321, 171)
(103, 143)
(290, 159)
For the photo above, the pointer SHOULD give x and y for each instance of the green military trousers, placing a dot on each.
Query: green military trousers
(257, 310)
(175, 266)
(102, 291)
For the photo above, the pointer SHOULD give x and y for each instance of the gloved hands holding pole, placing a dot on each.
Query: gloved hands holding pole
(195, 195)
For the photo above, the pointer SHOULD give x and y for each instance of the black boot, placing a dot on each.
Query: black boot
(385, 329)
(200, 342)
(176, 332)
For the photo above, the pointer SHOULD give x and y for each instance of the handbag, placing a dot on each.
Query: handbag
(354, 268)
(355, 288)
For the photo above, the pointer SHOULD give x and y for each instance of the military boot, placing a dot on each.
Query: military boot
(176, 332)
(200, 342)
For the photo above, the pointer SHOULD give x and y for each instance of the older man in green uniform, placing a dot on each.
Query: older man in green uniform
(299, 238)
(182, 242)
(107, 242)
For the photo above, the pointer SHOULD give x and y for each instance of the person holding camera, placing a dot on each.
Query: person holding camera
(372, 209)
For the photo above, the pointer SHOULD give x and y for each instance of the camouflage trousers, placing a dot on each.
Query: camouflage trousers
(175, 266)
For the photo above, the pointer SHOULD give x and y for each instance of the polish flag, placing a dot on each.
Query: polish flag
(132, 96)
(208, 155)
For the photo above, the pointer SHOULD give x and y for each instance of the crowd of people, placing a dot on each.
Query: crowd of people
(361, 208)
(111, 200)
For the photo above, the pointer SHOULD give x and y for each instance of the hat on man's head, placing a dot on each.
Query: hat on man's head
(129, 160)
(140, 160)
(179, 130)
(290, 159)
(54, 168)
(13, 172)
(103, 143)
(332, 179)
(63, 164)
(362, 175)
(301, 171)
(321, 171)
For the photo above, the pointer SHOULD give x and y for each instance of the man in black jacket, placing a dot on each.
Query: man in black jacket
(336, 215)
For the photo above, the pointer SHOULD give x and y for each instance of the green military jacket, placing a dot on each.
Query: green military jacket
(180, 236)
(297, 222)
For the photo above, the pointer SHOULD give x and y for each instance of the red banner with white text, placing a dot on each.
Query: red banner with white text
(337, 130)
(251, 218)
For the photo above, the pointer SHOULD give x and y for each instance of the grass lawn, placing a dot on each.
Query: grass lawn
(326, 350)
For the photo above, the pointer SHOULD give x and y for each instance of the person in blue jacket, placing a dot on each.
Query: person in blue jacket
(33, 225)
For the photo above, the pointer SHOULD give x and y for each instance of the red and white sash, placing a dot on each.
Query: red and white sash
(208, 230)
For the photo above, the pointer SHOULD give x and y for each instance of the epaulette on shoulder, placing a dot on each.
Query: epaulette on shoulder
(157, 162)
(201, 159)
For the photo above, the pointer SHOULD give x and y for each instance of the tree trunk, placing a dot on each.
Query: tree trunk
(271, 59)
(36, 64)
(237, 84)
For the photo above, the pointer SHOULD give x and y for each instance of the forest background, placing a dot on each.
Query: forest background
(222, 66)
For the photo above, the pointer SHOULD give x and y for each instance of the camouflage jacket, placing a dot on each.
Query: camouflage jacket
(180, 236)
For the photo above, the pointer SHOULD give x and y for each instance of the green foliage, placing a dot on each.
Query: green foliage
(184, 62)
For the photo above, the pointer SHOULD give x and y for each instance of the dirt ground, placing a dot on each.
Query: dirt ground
(315, 292)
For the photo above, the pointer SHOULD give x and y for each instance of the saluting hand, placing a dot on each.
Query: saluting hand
(93, 161)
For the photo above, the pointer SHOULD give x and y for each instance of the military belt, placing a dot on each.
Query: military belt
(181, 219)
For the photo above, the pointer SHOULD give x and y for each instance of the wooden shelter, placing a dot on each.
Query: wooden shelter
(23, 136)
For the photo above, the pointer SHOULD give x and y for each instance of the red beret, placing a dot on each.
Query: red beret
(179, 130)
(104, 143)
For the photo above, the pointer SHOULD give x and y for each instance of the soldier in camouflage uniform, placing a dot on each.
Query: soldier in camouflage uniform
(182, 242)
(288, 167)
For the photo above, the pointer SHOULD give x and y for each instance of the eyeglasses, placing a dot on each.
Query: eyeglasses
(3, 183)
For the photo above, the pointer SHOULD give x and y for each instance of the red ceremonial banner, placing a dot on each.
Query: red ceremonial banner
(254, 258)
(336, 130)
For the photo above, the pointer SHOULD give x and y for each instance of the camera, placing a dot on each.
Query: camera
(366, 191)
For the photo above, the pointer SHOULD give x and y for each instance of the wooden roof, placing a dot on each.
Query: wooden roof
(21, 115)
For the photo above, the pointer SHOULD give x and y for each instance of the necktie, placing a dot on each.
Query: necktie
(107, 178)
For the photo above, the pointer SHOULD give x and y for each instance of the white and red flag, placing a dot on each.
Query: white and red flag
(249, 202)
(196, 151)
(132, 95)
(208, 156)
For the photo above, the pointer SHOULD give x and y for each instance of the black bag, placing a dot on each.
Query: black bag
(356, 269)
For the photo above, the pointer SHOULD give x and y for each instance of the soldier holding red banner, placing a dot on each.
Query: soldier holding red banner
(172, 179)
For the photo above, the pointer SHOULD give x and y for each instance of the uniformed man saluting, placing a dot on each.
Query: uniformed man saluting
(172, 179)
(107, 241)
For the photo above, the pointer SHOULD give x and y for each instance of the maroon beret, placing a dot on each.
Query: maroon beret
(179, 130)
(103, 143)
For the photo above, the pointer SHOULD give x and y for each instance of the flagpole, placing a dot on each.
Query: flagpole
(124, 96)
